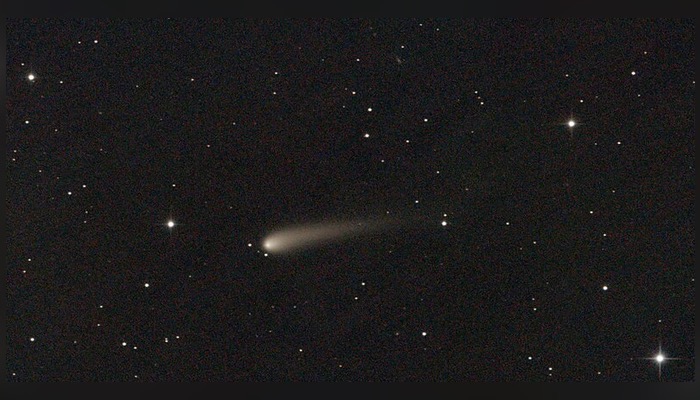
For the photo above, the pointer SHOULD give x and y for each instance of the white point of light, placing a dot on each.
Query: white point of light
(171, 224)
(634, 73)
(444, 223)
(31, 339)
(31, 77)
(659, 358)
(571, 123)
(424, 334)
(605, 288)
(369, 109)
(146, 285)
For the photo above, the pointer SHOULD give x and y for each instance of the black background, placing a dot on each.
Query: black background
(197, 104)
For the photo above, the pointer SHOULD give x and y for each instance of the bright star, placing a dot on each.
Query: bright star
(171, 224)
(571, 123)
(31, 77)
(660, 358)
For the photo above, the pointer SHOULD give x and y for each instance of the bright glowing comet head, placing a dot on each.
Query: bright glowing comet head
(269, 244)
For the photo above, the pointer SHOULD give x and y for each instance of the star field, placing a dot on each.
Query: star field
(542, 172)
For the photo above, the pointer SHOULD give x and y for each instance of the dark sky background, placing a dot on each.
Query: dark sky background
(566, 253)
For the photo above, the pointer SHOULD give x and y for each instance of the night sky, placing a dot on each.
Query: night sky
(530, 184)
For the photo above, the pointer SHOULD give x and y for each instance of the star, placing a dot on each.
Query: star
(571, 123)
(169, 223)
(659, 359)
(31, 77)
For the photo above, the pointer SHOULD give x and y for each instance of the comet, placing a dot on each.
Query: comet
(300, 237)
